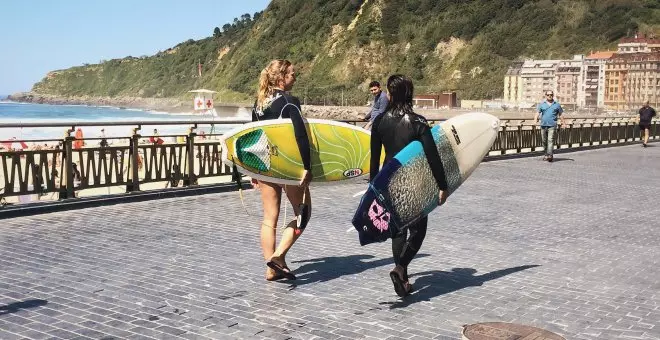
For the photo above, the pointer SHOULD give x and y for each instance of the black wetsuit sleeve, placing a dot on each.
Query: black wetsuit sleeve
(433, 157)
(295, 113)
(376, 146)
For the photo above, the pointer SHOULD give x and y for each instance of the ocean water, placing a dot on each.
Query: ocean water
(12, 113)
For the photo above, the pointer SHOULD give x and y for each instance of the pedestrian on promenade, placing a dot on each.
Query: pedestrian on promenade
(104, 140)
(379, 106)
(273, 102)
(395, 129)
(548, 112)
(646, 114)
(155, 139)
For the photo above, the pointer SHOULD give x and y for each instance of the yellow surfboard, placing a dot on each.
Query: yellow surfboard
(267, 150)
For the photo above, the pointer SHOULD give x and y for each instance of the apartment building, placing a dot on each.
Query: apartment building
(621, 79)
(513, 84)
(538, 76)
(569, 82)
(643, 81)
(593, 79)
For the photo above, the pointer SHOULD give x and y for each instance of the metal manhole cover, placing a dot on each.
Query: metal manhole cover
(506, 331)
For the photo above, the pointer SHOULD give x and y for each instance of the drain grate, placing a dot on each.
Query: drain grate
(506, 331)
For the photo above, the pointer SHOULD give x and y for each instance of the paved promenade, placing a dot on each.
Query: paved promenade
(571, 246)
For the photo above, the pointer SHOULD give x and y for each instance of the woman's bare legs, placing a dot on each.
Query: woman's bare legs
(289, 236)
(271, 196)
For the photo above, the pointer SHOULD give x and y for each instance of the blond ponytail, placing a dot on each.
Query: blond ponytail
(264, 90)
(269, 79)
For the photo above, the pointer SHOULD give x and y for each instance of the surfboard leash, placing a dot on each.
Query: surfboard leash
(301, 219)
(303, 215)
(236, 177)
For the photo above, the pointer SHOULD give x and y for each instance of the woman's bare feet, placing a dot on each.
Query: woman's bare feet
(279, 266)
(271, 275)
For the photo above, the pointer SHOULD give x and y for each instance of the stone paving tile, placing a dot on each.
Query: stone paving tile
(572, 247)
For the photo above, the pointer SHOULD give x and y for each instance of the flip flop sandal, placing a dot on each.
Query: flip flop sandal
(280, 268)
(274, 277)
(402, 288)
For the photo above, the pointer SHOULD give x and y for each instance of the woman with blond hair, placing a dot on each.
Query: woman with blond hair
(274, 102)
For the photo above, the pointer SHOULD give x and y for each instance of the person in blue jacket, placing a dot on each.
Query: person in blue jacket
(379, 106)
(548, 112)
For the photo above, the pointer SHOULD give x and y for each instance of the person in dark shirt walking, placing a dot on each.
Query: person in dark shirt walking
(646, 114)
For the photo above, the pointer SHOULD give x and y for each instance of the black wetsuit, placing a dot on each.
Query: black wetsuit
(394, 131)
(283, 105)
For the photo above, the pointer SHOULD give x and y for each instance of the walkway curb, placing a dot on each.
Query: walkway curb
(96, 201)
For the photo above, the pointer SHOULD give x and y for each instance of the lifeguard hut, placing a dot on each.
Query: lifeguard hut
(203, 102)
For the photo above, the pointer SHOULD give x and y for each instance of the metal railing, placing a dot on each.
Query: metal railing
(68, 168)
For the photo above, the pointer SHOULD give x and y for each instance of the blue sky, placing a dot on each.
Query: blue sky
(41, 36)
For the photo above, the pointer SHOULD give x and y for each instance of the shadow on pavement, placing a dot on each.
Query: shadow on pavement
(16, 306)
(434, 283)
(332, 267)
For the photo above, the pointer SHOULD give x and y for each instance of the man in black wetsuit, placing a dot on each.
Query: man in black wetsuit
(395, 129)
(646, 114)
(273, 102)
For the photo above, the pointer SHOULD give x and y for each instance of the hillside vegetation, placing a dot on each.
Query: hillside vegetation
(341, 45)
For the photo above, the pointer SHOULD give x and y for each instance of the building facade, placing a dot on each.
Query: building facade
(643, 79)
(537, 76)
(569, 82)
(593, 79)
(621, 80)
(513, 84)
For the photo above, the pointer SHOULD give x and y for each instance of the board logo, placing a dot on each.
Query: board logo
(453, 130)
(352, 173)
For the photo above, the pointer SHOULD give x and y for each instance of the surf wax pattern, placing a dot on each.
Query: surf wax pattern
(417, 175)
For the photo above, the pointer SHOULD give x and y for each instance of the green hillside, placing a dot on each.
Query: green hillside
(341, 45)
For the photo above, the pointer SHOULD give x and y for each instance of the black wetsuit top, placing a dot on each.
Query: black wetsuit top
(394, 131)
(283, 105)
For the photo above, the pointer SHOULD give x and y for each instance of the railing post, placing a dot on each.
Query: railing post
(533, 139)
(67, 149)
(504, 139)
(519, 138)
(582, 134)
(134, 185)
(191, 177)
